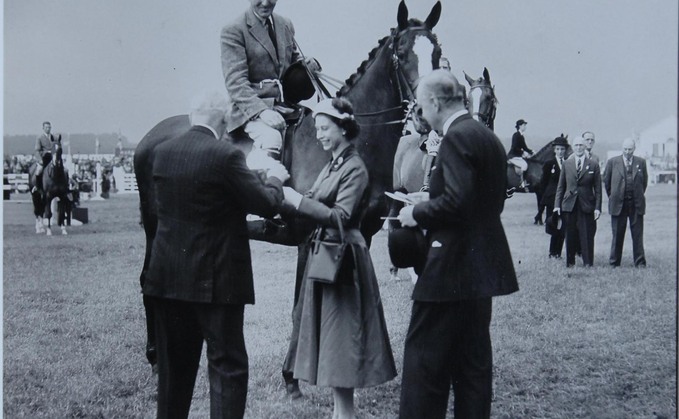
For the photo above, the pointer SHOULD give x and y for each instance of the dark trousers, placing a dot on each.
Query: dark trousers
(636, 226)
(580, 230)
(181, 328)
(448, 343)
(289, 361)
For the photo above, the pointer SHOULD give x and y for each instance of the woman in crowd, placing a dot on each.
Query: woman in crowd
(340, 337)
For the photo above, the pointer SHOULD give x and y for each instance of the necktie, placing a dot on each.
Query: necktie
(272, 34)
(560, 162)
(579, 166)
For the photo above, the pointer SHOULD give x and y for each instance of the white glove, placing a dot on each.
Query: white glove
(433, 143)
(278, 171)
(292, 196)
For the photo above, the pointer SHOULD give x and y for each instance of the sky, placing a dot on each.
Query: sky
(101, 66)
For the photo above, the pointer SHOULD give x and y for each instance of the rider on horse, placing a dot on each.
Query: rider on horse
(44, 147)
(519, 151)
(257, 48)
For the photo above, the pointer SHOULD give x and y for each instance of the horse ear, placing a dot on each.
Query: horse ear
(469, 79)
(402, 16)
(486, 75)
(434, 16)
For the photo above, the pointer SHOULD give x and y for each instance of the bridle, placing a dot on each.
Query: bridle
(488, 116)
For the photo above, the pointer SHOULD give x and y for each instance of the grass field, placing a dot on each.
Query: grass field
(577, 343)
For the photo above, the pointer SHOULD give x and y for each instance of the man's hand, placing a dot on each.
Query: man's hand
(597, 213)
(312, 64)
(557, 210)
(272, 119)
(278, 171)
(405, 216)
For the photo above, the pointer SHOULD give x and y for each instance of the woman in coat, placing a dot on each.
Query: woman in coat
(340, 337)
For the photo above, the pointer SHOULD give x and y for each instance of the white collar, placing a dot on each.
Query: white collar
(208, 127)
(452, 119)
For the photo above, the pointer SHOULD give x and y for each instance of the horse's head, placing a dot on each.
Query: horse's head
(416, 48)
(482, 103)
(57, 155)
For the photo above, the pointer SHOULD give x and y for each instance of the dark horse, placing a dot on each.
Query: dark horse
(533, 175)
(51, 195)
(379, 90)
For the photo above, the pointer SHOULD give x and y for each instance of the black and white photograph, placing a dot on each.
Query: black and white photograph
(322, 209)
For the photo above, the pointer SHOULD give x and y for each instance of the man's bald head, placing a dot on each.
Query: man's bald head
(628, 147)
(439, 95)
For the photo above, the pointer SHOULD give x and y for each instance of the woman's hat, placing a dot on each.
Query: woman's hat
(297, 84)
(408, 248)
(325, 107)
(520, 122)
(561, 140)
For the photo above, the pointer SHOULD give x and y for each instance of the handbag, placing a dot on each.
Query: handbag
(325, 257)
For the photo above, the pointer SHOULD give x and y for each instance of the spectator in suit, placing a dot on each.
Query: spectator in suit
(257, 48)
(467, 264)
(578, 200)
(625, 180)
(588, 136)
(200, 272)
(551, 171)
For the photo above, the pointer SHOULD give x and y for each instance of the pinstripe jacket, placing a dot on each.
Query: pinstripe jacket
(204, 190)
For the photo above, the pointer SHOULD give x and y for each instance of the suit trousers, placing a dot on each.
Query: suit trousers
(181, 328)
(448, 343)
(580, 230)
(619, 226)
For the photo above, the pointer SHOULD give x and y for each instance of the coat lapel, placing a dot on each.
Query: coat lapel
(634, 167)
(259, 32)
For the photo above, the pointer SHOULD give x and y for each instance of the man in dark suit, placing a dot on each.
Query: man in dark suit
(551, 171)
(625, 180)
(200, 273)
(578, 200)
(257, 47)
(468, 262)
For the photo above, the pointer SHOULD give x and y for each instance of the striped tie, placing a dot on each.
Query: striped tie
(579, 166)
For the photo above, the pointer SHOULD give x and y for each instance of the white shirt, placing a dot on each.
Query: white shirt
(210, 128)
(452, 118)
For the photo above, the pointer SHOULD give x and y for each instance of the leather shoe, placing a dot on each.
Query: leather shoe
(292, 388)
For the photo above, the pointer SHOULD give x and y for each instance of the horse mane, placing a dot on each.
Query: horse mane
(351, 81)
(356, 76)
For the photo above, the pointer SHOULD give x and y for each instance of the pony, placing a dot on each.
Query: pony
(410, 159)
(50, 197)
(380, 91)
(533, 175)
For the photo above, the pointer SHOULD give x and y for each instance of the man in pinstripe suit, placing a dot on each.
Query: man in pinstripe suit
(200, 272)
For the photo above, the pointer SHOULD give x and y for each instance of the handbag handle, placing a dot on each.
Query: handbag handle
(318, 236)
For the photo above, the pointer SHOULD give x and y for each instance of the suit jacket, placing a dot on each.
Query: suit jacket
(583, 190)
(518, 146)
(549, 180)
(249, 57)
(614, 182)
(468, 253)
(204, 190)
(44, 144)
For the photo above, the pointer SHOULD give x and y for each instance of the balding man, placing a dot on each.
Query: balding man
(625, 180)
(578, 200)
(200, 273)
(467, 264)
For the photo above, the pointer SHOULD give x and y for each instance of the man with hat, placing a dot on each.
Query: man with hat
(467, 264)
(257, 48)
(519, 151)
(551, 171)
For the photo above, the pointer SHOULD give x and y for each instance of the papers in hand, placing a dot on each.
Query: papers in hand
(400, 196)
